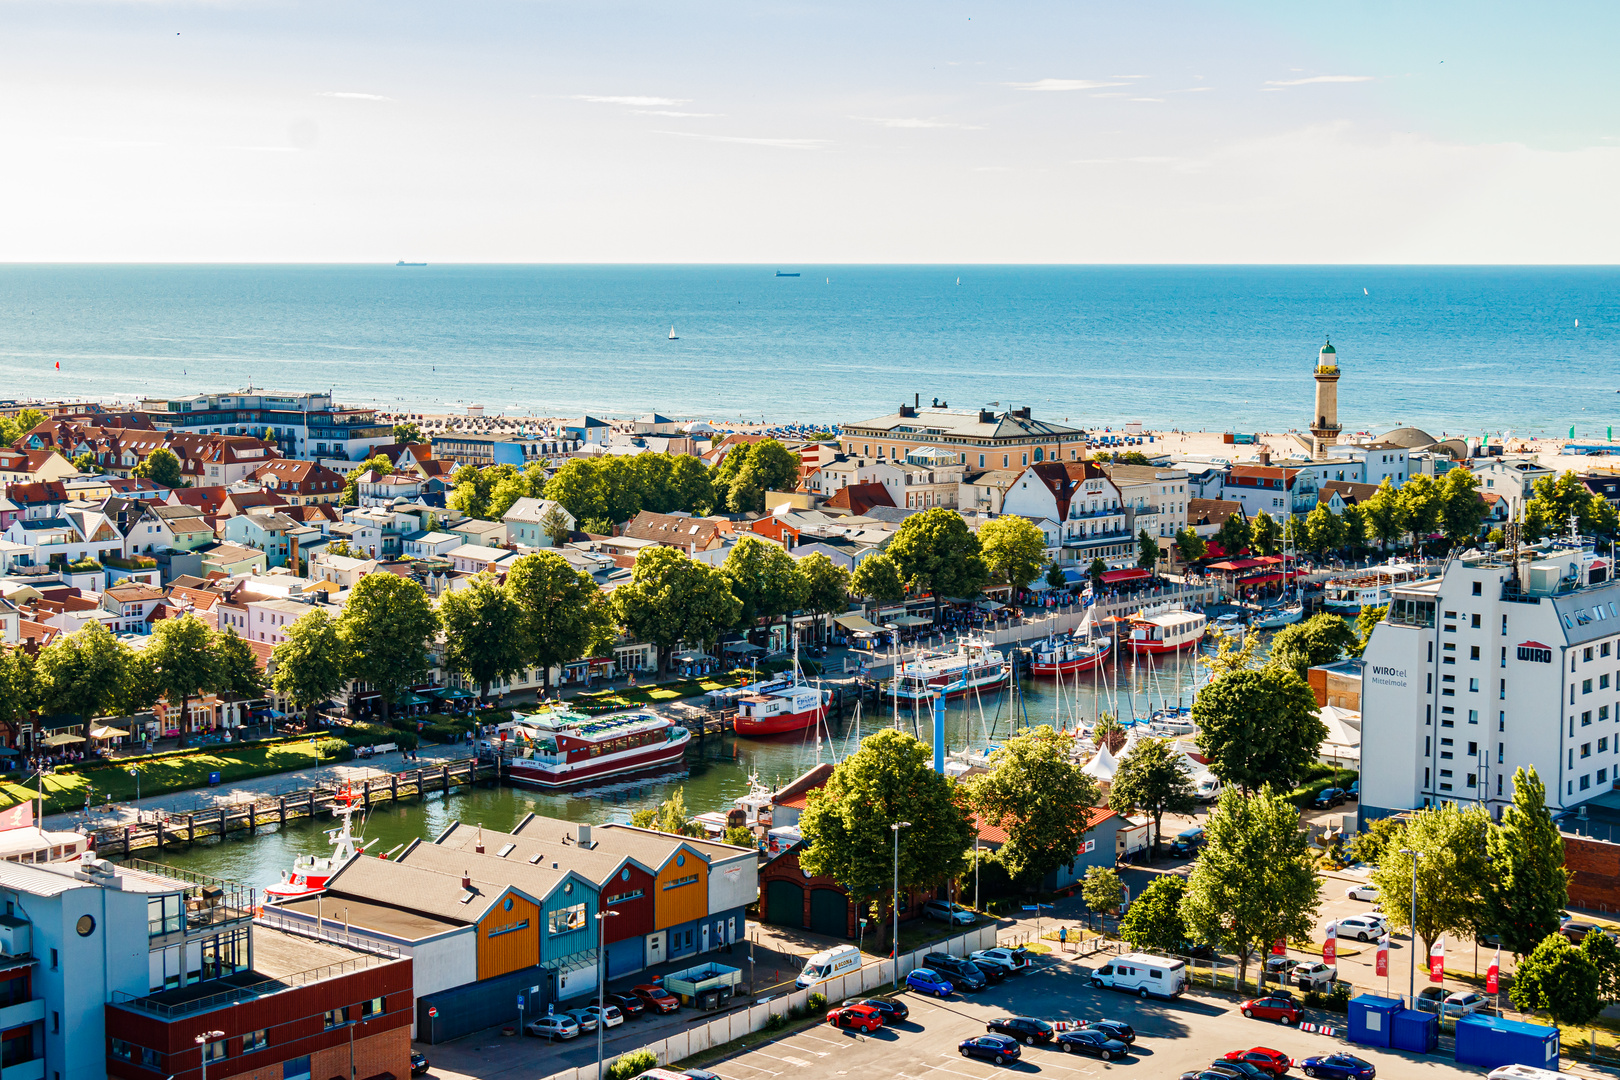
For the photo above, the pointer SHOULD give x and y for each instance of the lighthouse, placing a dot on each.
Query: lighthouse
(1325, 428)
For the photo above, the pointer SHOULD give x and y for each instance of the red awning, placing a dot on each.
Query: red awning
(1134, 573)
(1233, 565)
(1260, 579)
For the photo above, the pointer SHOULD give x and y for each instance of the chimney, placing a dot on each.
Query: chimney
(1264, 457)
(585, 837)
(987, 416)
(466, 880)
(916, 401)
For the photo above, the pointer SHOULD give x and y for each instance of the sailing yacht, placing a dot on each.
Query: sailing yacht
(672, 336)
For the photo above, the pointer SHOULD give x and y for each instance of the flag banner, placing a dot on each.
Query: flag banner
(1330, 944)
(17, 817)
(1279, 947)
(1383, 956)
(1493, 976)
(1437, 961)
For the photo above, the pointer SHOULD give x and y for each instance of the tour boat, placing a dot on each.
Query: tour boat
(1170, 631)
(310, 873)
(559, 748)
(770, 708)
(1350, 593)
(973, 666)
(1274, 618)
(1073, 652)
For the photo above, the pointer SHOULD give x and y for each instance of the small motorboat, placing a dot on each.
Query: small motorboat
(310, 873)
(1277, 617)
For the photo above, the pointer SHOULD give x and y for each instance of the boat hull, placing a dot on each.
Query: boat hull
(777, 725)
(526, 773)
(954, 689)
(1068, 667)
(1153, 648)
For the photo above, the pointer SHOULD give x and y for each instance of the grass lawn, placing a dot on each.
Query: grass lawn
(67, 791)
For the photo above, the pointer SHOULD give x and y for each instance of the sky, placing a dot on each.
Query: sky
(813, 131)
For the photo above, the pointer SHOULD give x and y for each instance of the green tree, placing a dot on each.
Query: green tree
(1100, 889)
(1153, 780)
(508, 490)
(407, 431)
(1263, 534)
(13, 429)
(936, 553)
(769, 466)
(139, 690)
(1366, 619)
(1055, 577)
(578, 489)
(1554, 499)
(1037, 792)
(19, 689)
(1356, 529)
(847, 824)
(483, 632)
(1153, 921)
(1233, 535)
(1385, 515)
(670, 598)
(1095, 572)
(1527, 887)
(379, 464)
(1014, 550)
(1253, 882)
(1324, 530)
(1560, 980)
(1321, 639)
(1462, 510)
(1258, 726)
(161, 466)
(386, 629)
(81, 673)
(1421, 507)
(670, 816)
(1190, 546)
(184, 664)
(561, 613)
(877, 580)
(1450, 843)
(555, 526)
(1604, 953)
(765, 579)
(689, 485)
(741, 836)
(1147, 550)
(722, 475)
(1380, 836)
(86, 463)
(826, 586)
(308, 666)
(237, 670)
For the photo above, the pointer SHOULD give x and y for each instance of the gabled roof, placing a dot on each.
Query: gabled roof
(595, 863)
(1352, 493)
(1062, 478)
(210, 500)
(796, 794)
(38, 493)
(1212, 511)
(675, 530)
(860, 498)
(416, 888)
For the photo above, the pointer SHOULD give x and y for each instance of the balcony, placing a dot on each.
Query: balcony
(27, 1070)
(1082, 515)
(24, 1012)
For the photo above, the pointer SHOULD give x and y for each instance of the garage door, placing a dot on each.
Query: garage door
(784, 903)
(829, 912)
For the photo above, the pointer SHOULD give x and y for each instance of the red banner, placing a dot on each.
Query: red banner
(1437, 961)
(1330, 944)
(1493, 976)
(17, 817)
(1383, 956)
(1279, 947)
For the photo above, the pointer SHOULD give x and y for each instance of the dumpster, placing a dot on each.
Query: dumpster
(1416, 1031)
(1491, 1041)
(1371, 1018)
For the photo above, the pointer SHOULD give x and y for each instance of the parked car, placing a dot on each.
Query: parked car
(894, 1010)
(1314, 975)
(554, 1027)
(585, 1018)
(1429, 999)
(1328, 797)
(609, 1014)
(630, 1005)
(1576, 930)
(964, 974)
(1353, 792)
(1014, 961)
(925, 981)
(945, 911)
(699, 1074)
(1116, 1029)
(1093, 1041)
(419, 1064)
(1338, 1067)
(1187, 841)
(997, 1048)
(1281, 968)
(1364, 891)
(1369, 927)
(1238, 1070)
(1459, 1003)
(855, 1018)
(656, 998)
(1264, 1058)
(1279, 1005)
(1026, 1029)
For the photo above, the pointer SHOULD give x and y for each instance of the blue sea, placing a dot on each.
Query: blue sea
(1449, 349)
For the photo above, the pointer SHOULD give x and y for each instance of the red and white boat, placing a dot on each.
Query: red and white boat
(973, 666)
(1167, 631)
(561, 748)
(770, 708)
(310, 873)
(1079, 651)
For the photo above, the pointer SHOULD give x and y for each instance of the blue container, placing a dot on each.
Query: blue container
(1416, 1031)
(1492, 1042)
(1372, 1019)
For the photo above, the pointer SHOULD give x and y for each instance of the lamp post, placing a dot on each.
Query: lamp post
(202, 1042)
(601, 984)
(896, 827)
(1411, 982)
(136, 773)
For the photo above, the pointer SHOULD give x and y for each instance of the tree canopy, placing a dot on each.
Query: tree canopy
(1384, 514)
(1258, 726)
(1153, 780)
(483, 632)
(1190, 546)
(765, 579)
(877, 579)
(1102, 891)
(559, 612)
(1153, 921)
(308, 665)
(184, 663)
(1462, 510)
(1263, 534)
(1037, 793)
(1560, 980)
(1233, 535)
(1555, 498)
(1527, 887)
(161, 466)
(1014, 549)
(1450, 843)
(1147, 550)
(1321, 639)
(670, 598)
(386, 628)
(78, 673)
(826, 585)
(936, 553)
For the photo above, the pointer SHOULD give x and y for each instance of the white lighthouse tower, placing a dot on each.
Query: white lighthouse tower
(1325, 429)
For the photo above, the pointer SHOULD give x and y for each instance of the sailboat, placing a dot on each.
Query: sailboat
(672, 336)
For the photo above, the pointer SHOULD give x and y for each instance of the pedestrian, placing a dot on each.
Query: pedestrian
(1063, 939)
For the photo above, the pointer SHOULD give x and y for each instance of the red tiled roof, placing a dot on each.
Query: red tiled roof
(859, 498)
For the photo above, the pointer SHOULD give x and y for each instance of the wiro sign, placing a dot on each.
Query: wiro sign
(1535, 652)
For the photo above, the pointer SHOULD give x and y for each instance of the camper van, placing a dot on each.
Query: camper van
(829, 964)
(1144, 974)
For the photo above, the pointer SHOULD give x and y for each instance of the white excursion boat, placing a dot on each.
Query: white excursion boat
(1167, 631)
(310, 873)
(1349, 593)
(973, 666)
(558, 747)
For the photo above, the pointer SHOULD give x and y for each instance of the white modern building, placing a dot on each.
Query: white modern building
(1491, 667)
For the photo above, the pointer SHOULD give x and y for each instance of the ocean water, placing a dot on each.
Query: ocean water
(1458, 350)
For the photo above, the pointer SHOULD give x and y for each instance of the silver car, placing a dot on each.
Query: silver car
(554, 1027)
(585, 1018)
(1009, 960)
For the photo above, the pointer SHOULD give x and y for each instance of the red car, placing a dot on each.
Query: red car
(656, 998)
(1277, 1006)
(856, 1018)
(1264, 1058)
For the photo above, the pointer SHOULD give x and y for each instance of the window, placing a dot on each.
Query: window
(1586, 686)
(1473, 622)
(689, 879)
(137, 1055)
(1603, 712)
(54, 960)
(371, 1008)
(1586, 749)
(1603, 745)
(1586, 718)
(295, 1068)
(1586, 654)
(1473, 686)
(567, 919)
(1473, 716)
(255, 1040)
(214, 1051)
(334, 1018)
(1586, 782)
(1473, 749)
(1473, 652)
(1477, 587)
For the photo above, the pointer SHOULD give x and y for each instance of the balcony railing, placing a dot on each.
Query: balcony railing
(153, 1005)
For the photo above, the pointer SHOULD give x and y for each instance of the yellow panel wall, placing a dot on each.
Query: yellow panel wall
(508, 939)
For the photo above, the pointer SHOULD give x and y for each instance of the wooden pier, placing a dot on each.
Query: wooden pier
(157, 829)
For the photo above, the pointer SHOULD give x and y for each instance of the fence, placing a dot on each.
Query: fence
(740, 1022)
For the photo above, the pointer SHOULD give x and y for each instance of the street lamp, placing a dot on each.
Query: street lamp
(601, 984)
(896, 827)
(202, 1042)
(136, 773)
(1411, 982)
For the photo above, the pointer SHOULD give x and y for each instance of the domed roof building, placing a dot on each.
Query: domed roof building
(1410, 438)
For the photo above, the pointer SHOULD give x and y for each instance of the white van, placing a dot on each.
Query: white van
(829, 964)
(1144, 974)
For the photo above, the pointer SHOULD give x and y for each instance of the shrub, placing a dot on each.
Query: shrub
(816, 1003)
(775, 1022)
(631, 1065)
(332, 749)
(373, 734)
(795, 1012)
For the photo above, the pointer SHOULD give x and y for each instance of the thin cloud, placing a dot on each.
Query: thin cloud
(631, 100)
(1191, 90)
(1060, 85)
(916, 122)
(353, 95)
(744, 140)
(1115, 93)
(672, 112)
(1160, 100)
(1319, 79)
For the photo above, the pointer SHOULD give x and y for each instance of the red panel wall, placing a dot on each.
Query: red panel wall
(635, 918)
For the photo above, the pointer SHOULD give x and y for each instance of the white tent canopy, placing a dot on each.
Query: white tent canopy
(1102, 766)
